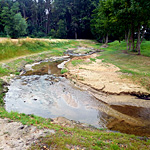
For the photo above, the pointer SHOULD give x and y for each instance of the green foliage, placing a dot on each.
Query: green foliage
(116, 18)
(4, 71)
(76, 62)
(61, 32)
(13, 23)
(93, 59)
(64, 71)
(53, 33)
(61, 19)
(1, 93)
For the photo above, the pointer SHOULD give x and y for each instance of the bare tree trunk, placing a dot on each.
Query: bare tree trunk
(126, 36)
(143, 34)
(132, 36)
(24, 13)
(76, 36)
(106, 42)
(75, 30)
(130, 43)
(128, 39)
(138, 41)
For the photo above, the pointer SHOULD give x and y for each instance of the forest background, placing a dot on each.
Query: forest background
(127, 20)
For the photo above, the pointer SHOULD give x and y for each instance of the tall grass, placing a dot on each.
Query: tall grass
(9, 49)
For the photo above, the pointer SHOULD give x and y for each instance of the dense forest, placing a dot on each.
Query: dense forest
(56, 18)
(122, 19)
(103, 20)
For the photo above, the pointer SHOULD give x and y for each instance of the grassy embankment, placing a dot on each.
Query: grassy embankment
(136, 66)
(66, 138)
(36, 49)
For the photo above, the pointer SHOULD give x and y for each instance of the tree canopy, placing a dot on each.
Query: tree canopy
(128, 17)
(56, 18)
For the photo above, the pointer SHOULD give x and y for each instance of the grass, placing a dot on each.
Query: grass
(135, 66)
(1, 93)
(76, 62)
(93, 59)
(4, 71)
(9, 49)
(64, 71)
(75, 138)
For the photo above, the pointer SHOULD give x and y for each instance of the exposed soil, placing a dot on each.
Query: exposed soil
(103, 77)
(15, 136)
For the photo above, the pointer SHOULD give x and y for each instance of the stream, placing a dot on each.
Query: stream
(42, 91)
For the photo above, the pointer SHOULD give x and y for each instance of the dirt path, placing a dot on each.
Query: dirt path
(15, 136)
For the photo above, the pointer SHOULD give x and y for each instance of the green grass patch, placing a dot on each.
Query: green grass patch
(2, 94)
(64, 71)
(75, 138)
(136, 66)
(9, 49)
(76, 62)
(145, 48)
(93, 59)
(4, 71)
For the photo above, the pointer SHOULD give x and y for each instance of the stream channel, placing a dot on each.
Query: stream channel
(44, 92)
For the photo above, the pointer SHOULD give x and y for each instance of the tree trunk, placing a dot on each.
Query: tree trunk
(128, 39)
(130, 43)
(106, 42)
(76, 35)
(132, 36)
(138, 41)
(143, 34)
(24, 13)
(126, 36)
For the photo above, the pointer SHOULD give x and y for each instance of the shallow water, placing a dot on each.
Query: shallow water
(49, 96)
(42, 93)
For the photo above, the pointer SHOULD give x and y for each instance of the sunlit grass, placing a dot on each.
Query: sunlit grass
(138, 66)
(9, 49)
(76, 62)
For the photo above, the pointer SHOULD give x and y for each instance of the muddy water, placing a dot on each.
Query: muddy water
(42, 93)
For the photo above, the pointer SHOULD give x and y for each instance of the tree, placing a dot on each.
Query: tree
(102, 22)
(61, 32)
(130, 16)
(14, 24)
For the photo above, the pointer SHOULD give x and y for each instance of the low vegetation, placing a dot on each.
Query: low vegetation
(64, 71)
(9, 49)
(134, 66)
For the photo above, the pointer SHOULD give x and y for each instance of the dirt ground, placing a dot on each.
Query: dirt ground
(15, 136)
(103, 77)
